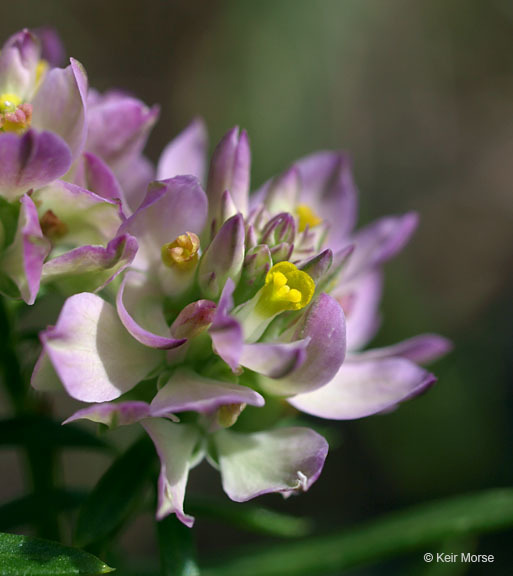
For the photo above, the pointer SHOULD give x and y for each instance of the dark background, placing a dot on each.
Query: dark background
(421, 94)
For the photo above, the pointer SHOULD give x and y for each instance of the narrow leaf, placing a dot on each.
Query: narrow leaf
(419, 528)
(116, 494)
(22, 556)
(251, 518)
(177, 553)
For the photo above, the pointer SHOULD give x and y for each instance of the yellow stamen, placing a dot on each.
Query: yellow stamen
(227, 415)
(286, 288)
(9, 103)
(279, 280)
(182, 253)
(15, 115)
(307, 217)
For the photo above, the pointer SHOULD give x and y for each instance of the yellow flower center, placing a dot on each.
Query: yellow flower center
(182, 253)
(307, 217)
(15, 116)
(286, 288)
(9, 103)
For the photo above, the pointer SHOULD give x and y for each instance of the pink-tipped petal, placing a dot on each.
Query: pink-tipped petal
(364, 388)
(379, 242)
(229, 170)
(146, 305)
(112, 414)
(274, 359)
(19, 57)
(187, 391)
(134, 174)
(226, 331)
(285, 460)
(31, 161)
(186, 154)
(171, 207)
(329, 189)
(175, 444)
(119, 126)
(360, 300)
(93, 174)
(421, 349)
(280, 194)
(90, 267)
(60, 105)
(92, 353)
(52, 48)
(323, 326)
(23, 260)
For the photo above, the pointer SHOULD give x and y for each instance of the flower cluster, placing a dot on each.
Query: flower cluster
(209, 316)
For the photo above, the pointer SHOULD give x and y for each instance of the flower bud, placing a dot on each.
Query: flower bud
(194, 319)
(279, 229)
(251, 237)
(229, 170)
(317, 266)
(257, 264)
(223, 258)
(282, 252)
(227, 210)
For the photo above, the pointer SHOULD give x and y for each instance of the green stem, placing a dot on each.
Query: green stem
(421, 529)
(41, 459)
(177, 550)
(9, 364)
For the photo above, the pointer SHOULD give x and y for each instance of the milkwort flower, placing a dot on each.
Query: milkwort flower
(60, 208)
(233, 307)
(320, 190)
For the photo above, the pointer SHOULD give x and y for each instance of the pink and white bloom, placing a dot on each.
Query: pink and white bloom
(232, 306)
(63, 230)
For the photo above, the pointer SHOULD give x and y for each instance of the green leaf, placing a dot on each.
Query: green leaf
(251, 518)
(32, 430)
(25, 510)
(417, 529)
(25, 556)
(116, 494)
(177, 552)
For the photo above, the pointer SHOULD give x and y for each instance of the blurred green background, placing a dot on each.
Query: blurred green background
(421, 95)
